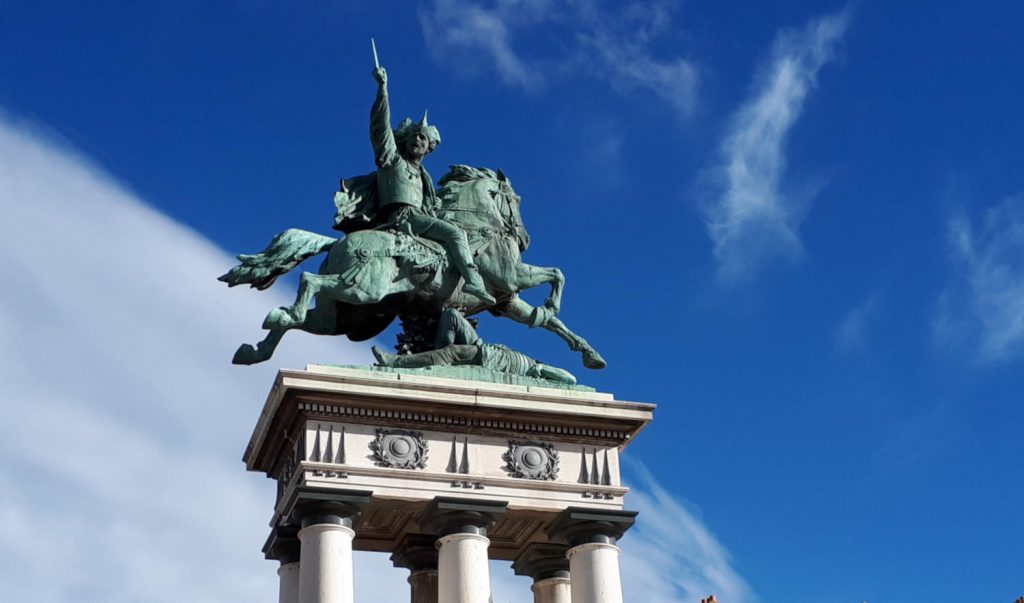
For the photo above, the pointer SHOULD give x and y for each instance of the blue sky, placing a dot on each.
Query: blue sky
(798, 227)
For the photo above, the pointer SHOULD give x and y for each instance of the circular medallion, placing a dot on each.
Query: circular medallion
(531, 460)
(399, 448)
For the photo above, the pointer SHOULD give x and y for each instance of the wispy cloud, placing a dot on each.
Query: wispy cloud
(671, 555)
(123, 420)
(984, 302)
(852, 333)
(464, 29)
(749, 218)
(613, 45)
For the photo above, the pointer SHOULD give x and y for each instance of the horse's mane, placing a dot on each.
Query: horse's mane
(465, 173)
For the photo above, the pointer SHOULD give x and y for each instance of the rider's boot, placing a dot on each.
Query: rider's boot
(475, 285)
(458, 251)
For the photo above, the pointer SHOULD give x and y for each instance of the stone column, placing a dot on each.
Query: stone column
(461, 525)
(593, 557)
(418, 554)
(548, 565)
(325, 536)
(283, 545)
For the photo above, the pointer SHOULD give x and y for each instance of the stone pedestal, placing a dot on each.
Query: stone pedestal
(387, 462)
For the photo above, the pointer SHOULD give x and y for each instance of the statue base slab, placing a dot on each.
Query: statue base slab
(469, 373)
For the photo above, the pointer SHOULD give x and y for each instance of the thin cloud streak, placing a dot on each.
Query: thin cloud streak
(461, 28)
(852, 333)
(670, 555)
(123, 420)
(984, 302)
(748, 218)
(603, 44)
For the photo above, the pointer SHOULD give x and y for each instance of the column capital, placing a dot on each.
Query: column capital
(582, 525)
(446, 515)
(541, 561)
(309, 506)
(282, 545)
(416, 553)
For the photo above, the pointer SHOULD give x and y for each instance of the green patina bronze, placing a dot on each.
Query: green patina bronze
(458, 344)
(414, 251)
(472, 373)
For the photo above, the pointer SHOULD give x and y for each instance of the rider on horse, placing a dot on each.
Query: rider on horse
(405, 197)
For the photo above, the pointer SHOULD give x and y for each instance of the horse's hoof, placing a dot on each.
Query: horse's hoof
(593, 360)
(245, 354)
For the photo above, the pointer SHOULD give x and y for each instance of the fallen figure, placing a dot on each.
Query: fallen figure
(458, 344)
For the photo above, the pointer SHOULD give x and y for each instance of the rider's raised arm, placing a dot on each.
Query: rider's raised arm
(381, 137)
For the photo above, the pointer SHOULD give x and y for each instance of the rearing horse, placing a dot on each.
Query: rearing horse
(370, 276)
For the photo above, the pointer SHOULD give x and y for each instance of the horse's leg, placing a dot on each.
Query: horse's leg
(310, 285)
(321, 320)
(520, 311)
(247, 354)
(529, 276)
(378, 278)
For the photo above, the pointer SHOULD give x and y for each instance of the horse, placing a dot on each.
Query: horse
(371, 276)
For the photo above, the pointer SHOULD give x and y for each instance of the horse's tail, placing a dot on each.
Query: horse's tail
(286, 251)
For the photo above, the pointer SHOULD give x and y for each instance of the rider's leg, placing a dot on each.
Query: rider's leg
(454, 241)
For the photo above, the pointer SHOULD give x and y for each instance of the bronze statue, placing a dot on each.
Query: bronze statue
(405, 192)
(458, 344)
(409, 250)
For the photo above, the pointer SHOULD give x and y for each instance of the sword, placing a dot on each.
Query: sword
(376, 61)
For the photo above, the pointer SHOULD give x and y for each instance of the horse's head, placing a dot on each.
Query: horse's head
(511, 202)
(471, 195)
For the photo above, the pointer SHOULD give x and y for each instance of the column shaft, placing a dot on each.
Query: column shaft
(552, 590)
(463, 575)
(423, 586)
(325, 573)
(288, 589)
(594, 571)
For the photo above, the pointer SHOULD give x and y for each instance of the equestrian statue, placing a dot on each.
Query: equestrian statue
(413, 251)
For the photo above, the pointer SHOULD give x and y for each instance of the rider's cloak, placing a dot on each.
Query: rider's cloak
(357, 204)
